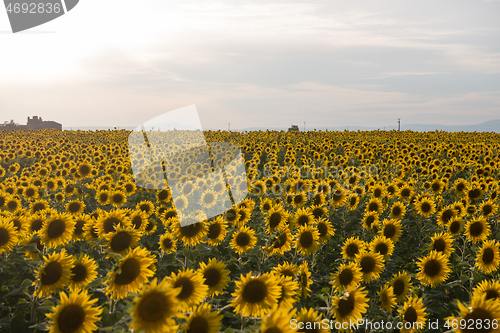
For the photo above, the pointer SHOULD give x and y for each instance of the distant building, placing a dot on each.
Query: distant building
(293, 128)
(37, 123)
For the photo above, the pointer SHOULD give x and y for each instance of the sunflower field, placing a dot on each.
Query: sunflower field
(380, 231)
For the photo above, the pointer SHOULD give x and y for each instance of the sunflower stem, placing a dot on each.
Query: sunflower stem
(242, 323)
(111, 305)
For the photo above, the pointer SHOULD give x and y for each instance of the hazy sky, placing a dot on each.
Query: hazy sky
(257, 63)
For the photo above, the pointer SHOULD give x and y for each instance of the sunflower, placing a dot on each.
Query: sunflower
(57, 230)
(191, 234)
(256, 295)
(348, 275)
(387, 298)
(84, 271)
(308, 320)
(281, 243)
(370, 219)
(307, 239)
(80, 222)
(413, 315)
(216, 276)
(208, 198)
(216, 231)
(163, 196)
(132, 272)
(288, 292)
(74, 313)
(201, 320)
(168, 243)
(371, 264)
(325, 229)
(352, 247)
(425, 207)
(75, 207)
(460, 186)
(286, 269)
(398, 210)
(374, 205)
(139, 220)
(8, 237)
(277, 321)
(117, 198)
(477, 230)
(107, 221)
(12, 203)
(54, 274)
(193, 291)
(488, 289)
(319, 211)
(433, 269)
(122, 240)
(275, 218)
(350, 307)
(391, 229)
(442, 242)
(304, 279)
(339, 197)
(243, 240)
(102, 197)
(145, 206)
(488, 257)
(488, 208)
(445, 215)
(481, 310)
(454, 226)
(155, 307)
(30, 192)
(382, 245)
(244, 215)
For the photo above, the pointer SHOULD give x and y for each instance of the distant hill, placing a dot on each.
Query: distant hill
(488, 126)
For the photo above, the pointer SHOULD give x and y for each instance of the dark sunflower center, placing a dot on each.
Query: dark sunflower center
(303, 220)
(243, 239)
(298, 199)
(476, 229)
(117, 198)
(477, 316)
(191, 230)
(439, 245)
(71, 318)
(153, 307)
(455, 227)
(399, 287)
(352, 250)
(280, 241)
(425, 207)
(487, 209)
(198, 325)
(79, 273)
(373, 207)
(396, 211)
(4, 237)
(187, 287)
(367, 264)
(382, 248)
(56, 228)
(306, 239)
(488, 255)
(53, 272)
(369, 220)
(405, 192)
(131, 269)
(411, 315)
(110, 223)
(12, 205)
(323, 229)
(208, 198)
(274, 220)
(254, 292)
(346, 306)
(79, 227)
(121, 241)
(432, 268)
(492, 294)
(389, 230)
(74, 207)
(346, 277)
(212, 277)
(474, 194)
(30, 192)
(447, 215)
(163, 195)
(214, 231)
(231, 215)
(287, 272)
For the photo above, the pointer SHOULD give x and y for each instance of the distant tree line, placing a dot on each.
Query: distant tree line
(11, 125)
